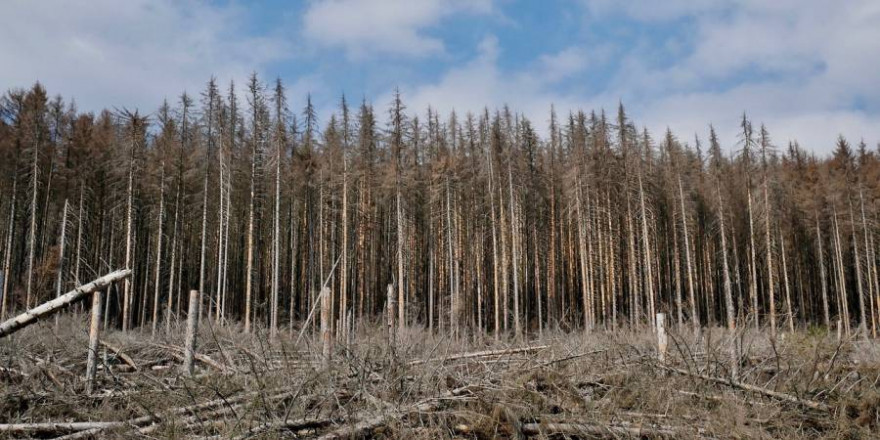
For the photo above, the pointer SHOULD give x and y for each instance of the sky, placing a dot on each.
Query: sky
(808, 69)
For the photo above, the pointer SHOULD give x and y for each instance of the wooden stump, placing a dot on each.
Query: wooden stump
(391, 300)
(94, 329)
(662, 341)
(326, 333)
(192, 325)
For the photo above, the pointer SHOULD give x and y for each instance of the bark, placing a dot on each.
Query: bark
(49, 308)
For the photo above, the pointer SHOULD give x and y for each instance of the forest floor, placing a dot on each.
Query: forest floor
(562, 385)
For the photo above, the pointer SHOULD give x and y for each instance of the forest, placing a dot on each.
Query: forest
(475, 222)
(395, 273)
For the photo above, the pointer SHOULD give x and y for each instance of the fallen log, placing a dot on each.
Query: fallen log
(292, 425)
(754, 389)
(479, 354)
(126, 359)
(591, 429)
(49, 308)
(142, 421)
(213, 417)
(364, 427)
(51, 428)
(178, 353)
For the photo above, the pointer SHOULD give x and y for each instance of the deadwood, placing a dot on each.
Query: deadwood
(50, 307)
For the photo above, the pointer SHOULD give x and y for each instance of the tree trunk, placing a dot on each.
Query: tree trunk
(159, 237)
(822, 277)
(7, 264)
(646, 246)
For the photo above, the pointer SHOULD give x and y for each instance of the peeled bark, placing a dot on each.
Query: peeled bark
(49, 308)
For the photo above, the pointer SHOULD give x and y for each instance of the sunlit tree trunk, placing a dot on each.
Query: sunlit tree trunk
(822, 276)
(157, 282)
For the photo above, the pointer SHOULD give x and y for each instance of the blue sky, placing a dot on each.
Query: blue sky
(809, 69)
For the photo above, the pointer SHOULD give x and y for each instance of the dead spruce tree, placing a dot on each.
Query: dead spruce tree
(476, 221)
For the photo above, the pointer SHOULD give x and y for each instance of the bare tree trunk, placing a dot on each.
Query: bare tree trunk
(728, 290)
(249, 271)
(771, 287)
(869, 259)
(841, 275)
(822, 276)
(173, 267)
(505, 279)
(59, 281)
(126, 304)
(401, 299)
(192, 329)
(857, 261)
(32, 231)
(514, 254)
(326, 333)
(276, 245)
(753, 273)
(94, 330)
(221, 219)
(7, 265)
(611, 267)
(635, 295)
(204, 238)
(495, 280)
(646, 246)
(788, 307)
(390, 314)
(79, 237)
(51, 307)
(453, 299)
(584, 260)
(157, 281)
(343, 278)
(676, 269)
(695, 317)
(537, 281)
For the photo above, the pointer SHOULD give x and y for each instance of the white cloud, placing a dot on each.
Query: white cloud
(480, 83)
(366, 27)
(108, 53)
(563, 64)
(800, 66)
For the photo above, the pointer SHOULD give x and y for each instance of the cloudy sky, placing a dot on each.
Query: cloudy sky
(809, 69)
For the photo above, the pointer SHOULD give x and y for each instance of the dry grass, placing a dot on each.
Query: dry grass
(600, 385)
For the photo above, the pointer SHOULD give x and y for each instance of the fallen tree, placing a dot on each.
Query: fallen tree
(49, 308)
(479, 354)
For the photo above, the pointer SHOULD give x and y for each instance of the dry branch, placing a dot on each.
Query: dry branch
(126, 359)
(177, 353)
(52, 428)
(578, 428)
(368, 425)
(755, 389)
(479, 354)
(192, 409)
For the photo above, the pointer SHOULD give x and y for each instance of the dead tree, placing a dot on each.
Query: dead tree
(48, 308)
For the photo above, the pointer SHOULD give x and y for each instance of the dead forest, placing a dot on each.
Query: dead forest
(392, 272)
(475, 221)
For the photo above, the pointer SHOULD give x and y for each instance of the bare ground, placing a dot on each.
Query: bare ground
(564, 385)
